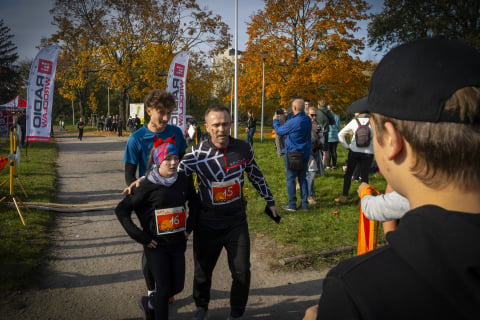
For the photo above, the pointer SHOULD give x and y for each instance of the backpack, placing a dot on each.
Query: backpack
(362, 135)
(331, 119)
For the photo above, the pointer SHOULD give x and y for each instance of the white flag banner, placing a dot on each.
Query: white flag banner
(177, 84)
(40, 94)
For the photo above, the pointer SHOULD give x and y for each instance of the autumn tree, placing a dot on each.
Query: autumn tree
(77, 68)
(312, 53)
(9, 76)
(131, 43)
(406, 20)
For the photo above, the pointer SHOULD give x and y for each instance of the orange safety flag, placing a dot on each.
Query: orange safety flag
(3, 162)
(366, 227)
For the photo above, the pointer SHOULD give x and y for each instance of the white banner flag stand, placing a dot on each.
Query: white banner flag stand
(40, 94)
(177, 85)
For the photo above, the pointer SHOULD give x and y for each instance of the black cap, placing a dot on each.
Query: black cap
(414, 80)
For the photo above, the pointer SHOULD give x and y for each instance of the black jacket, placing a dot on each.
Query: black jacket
(148, 197)
(215, 166)
(429, 270)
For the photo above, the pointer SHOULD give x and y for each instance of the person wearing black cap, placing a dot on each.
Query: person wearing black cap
(424, 101)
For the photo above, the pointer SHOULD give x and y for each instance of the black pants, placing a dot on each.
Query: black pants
(167, 265)
(207, 246)
(331, 154)
(147, 274)
(364, 160)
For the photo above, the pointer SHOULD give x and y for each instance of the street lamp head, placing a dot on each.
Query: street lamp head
(264, 54)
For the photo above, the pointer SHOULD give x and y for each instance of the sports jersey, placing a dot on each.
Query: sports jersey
(140, 143)
(221, 179)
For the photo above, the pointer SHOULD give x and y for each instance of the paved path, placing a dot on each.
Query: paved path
(93, 271)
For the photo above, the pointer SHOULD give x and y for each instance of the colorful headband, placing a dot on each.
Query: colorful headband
(163, 149)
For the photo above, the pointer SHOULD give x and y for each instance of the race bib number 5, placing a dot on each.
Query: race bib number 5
(170, 220)
(226, 191)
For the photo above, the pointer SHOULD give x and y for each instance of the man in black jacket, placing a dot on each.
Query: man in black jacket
(220, 163)
(424, 102)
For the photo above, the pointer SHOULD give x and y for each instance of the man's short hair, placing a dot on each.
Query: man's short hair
(299, 104)
(160, 99)
(216, 108)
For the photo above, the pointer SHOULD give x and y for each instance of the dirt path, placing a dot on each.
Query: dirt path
(93, 271)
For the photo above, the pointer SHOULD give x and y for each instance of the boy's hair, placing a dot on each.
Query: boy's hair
(216, 108)
(445, 152)
(160, 99)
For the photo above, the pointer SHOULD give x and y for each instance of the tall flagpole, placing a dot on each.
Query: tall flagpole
(235, 127)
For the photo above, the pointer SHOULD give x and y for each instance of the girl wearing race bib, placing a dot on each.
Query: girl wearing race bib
(160, 204)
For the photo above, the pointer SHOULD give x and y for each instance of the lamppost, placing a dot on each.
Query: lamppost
(108, 100)
(73, 114)
(231, 100)
(264, 56)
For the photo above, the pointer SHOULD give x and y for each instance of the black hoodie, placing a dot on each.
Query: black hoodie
(429, 270)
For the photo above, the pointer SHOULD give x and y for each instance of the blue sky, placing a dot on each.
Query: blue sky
(30, 20)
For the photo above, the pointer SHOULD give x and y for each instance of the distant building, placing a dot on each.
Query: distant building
(223, 65)
(228, 54)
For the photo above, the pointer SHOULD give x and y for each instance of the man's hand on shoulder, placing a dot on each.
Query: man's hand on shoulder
(134, 184)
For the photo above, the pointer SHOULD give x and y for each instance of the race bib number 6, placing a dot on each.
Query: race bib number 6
(170, 220)
(226, 191)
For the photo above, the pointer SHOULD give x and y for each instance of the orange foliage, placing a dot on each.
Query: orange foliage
(312, 54)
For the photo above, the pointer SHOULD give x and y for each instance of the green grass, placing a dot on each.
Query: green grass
(324, 226)
(23, 248)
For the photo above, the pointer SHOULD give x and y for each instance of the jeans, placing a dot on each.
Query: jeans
(207, 246)
(310, 182)
(364, 160)
(250, 134)
(291, 184)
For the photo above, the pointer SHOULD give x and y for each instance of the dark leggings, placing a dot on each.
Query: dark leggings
(207, 245)
(364, 160)
(331, 154)
(147, 274)
(167, 265)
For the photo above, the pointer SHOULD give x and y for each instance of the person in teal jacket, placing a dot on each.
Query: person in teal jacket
(331, 153)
